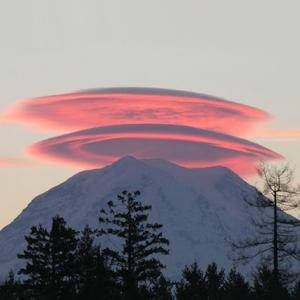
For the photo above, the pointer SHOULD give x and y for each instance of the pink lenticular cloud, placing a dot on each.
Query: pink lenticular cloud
(187, 146)
(114, 106)
(191, 129)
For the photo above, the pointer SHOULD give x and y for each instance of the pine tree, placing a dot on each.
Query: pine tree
(295, 295)
(162, 289)
(236, 287)
(37, 268)
(265, 287)
(192, 285)
(95, 278)
(136, 262)
(50, 261)
(214, 282)
(62, 245)
(11, 289)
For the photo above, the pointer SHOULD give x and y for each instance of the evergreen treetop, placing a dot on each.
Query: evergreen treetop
(136, 262)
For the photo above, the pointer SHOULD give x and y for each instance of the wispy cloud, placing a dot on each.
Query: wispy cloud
(14, 162)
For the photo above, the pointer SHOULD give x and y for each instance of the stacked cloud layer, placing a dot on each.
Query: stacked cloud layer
(190, 129)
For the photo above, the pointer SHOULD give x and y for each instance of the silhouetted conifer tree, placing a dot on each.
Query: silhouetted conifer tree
(50, 261)
(37, 258)
(140, 241)
(236, 287)
(192, 284)
(161, 289)
(265, 287)
(95, 278)
(214, 282)
(11, 289)
(295, 294)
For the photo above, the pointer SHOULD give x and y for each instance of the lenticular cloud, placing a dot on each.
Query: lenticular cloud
(115, 106)
(188, 146)
(190, 129)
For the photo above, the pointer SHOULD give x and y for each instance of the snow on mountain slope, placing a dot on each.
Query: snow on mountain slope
(199, 208)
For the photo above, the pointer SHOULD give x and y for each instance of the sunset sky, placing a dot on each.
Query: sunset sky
(244, 52)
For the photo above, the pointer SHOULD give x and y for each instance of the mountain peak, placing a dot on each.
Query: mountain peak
(198, 208)
(126, 159)
(165, 165)
(126, 162)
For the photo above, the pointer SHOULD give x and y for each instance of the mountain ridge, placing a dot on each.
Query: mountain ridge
(201, 209)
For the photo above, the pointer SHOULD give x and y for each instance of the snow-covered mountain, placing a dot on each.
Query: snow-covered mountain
(200, 208)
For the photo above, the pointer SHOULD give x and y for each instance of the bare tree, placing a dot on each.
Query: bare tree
(276, 231)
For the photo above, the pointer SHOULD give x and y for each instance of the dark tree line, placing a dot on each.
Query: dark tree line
(194, 284)
(65, 264)
(62, 263)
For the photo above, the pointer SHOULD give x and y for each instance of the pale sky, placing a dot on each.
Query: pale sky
(244, 51)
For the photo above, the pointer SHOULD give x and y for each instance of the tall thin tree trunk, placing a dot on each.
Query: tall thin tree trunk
(275, 244)
(131, 284)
